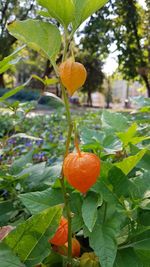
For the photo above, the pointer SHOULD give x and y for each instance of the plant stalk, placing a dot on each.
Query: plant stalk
(66, 195)
(70, 128)
(76, 141)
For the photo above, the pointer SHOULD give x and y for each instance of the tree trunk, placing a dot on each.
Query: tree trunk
(89, 99)
(126, 104)
(108, 97)
(2, 83)
(147, 83)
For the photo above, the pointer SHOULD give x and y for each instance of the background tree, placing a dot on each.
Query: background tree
(125, 24)
(10, 10)
(95, 75)
(130, 40)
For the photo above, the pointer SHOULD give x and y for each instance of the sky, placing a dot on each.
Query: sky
(111, 63)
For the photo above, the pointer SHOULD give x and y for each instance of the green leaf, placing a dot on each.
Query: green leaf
(89, 136)
(145, 204)
(127, 258)
(43, 13)
(54, 97)
(6, 209)
(50, 81)
(120, 185)
(25, 136)
(129, 163)
(30, 239)
(142, 244)
(141, 186)
(144, 256)
(45, 81)
(7, 258)
(89, 210)
(144, 217)
(76, 205)
(53, 260)
(38, 201)
(84, 9)
(113, 120)
(103, 241)
(111, 144)
(18, 164)
(144, 162)
(41, 36)
(129, 136)
(145, 109)
(14, 91)
(141, 248)
(41, 174)
(10, 60)
(139, 139)
(34, 76)
(61, 10)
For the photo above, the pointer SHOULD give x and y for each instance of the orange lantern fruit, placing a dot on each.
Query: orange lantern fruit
(63, 250)
(61, 235)
(73, 75)
(81, 170)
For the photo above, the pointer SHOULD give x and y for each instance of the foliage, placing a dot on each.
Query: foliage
(34, 192)
(33, 186)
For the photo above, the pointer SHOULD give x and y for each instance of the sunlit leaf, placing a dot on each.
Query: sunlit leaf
(14, 91)
(129, 163)
(61, 10)
(30, 239)
(41, 36)
(10, 60)
(85, 8)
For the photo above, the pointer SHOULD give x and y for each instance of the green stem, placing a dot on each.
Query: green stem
(69, 217)
(66, 195)
(70, 128)
(66, 104)
(70, 125)
(66, 44)
(76, 141)
(68, 140)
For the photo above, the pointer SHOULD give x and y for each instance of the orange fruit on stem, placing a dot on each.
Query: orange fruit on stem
(73, 75)
(81, 170)
(63, 250)
(61, 235)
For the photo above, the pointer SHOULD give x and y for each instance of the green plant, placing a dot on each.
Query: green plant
(111, 219)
